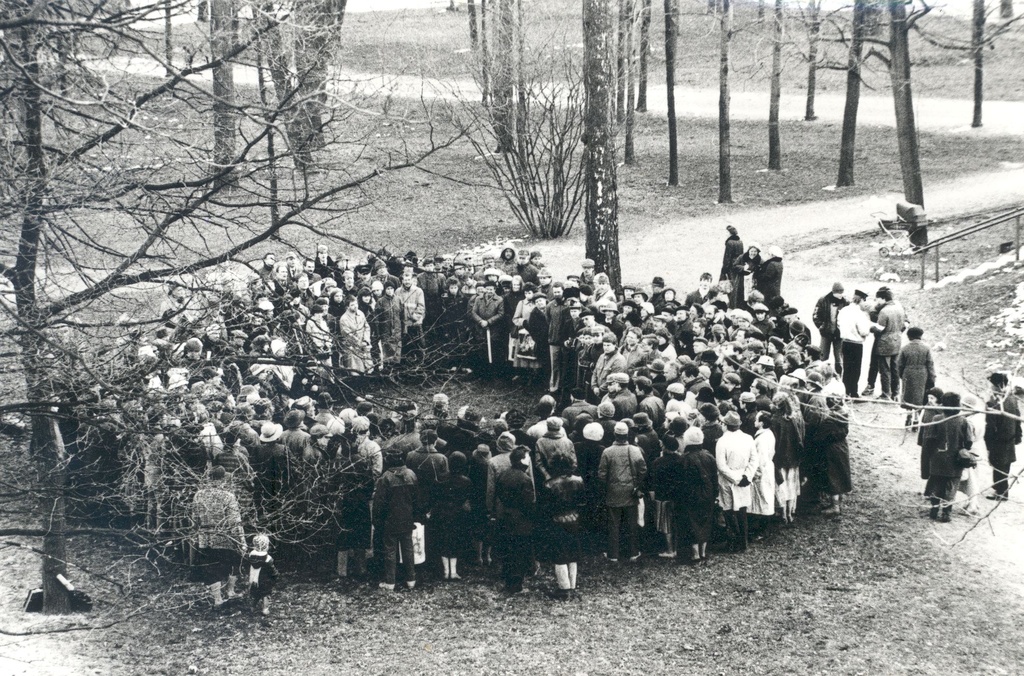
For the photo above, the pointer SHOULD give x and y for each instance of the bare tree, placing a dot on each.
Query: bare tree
(848, 143)
(504, 77)
(622, 28)
(671, 36)
(1006, 9)
(222, 40)
(629, 153)
(599, 78)
(107, 189)
(474, 38)
(724, 139)
(813, 42)
(774, 140)
(978, 52)
(899, 72)
(645, 55)
(485, 56)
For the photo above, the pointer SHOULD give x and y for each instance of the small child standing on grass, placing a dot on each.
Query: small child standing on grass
(262, 573)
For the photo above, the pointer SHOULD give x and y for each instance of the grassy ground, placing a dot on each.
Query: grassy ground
(437, 44)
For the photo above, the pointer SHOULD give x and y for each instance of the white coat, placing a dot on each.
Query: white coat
(762, 484)
(736, 457)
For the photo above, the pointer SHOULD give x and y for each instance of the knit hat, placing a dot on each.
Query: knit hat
(693, 437)
(641, 419)
(293, 419)
(593, 432)
(554, 423)
(621, 428)
(506, 442)
(606, 409)
(620, 378)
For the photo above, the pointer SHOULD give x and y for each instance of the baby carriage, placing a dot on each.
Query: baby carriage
(910, 220)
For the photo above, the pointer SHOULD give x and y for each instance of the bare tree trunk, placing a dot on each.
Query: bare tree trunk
(760, 9)
(474, 38)
(522, 107)
(671, 33)
(48, 456)
(168, 44)
(724, 140)
(620, 63)
(225, 118)
(978, 50)
(1006, 9)
(906, 128)
(813, 38)
(312, 61)
(629, 155)
(601, 214)
(485, 56)
(848, 144)
(503, 89)
(645, 53)
(774, 140)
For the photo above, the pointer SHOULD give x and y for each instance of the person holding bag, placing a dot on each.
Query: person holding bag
(621, 472)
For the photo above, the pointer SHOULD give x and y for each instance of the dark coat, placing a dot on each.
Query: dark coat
(394, 501)
(768, 279)
(733, 249)
(516, 502)
(916, 370)
(1002, 434)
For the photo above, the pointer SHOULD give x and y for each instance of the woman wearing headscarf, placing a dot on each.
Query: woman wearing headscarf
(833, 429)
(929, 431)
(558, 537)
(743, 268)
(949, 461)
(450, 516)
(789, 448)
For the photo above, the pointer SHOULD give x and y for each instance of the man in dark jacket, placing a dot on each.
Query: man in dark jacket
(826, 313)
(1002, 434)
(768, 279)
(733, 249)
(516, 500)
(393, 508)
(560, 330)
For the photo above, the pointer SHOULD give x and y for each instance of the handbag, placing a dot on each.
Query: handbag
(419, 545)
(638, 491)
(965, 459)
(526, 347)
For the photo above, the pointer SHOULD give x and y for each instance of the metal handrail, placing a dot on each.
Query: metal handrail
(971, 229)
(1014, 214)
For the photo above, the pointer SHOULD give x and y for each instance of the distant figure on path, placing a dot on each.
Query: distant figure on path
(733, 249)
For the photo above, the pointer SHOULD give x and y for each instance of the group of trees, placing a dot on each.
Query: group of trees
(115, 179)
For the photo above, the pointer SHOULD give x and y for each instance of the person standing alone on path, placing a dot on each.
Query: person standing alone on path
(1002, 434)
(733, 250)
(854, 326)
(826, 316)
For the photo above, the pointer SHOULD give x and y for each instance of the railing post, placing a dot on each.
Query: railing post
(924, 255)
(936, 264)
(1016, 240)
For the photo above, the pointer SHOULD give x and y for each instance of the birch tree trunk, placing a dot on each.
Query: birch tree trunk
(599, 77)
(813, 39)
(724, 139)
(645, 53)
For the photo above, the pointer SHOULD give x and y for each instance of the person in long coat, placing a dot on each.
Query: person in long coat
(515, 504)
(352, 475)
(745, 265)
(354, 335)
(1002, 434)
(768, 277)
(220, 537)
(559, 539)
(833, 429)
(733, 249)
(393, 517)
(946, 465)
(386, 322)
(479, 463)
(762, 498)
(929, 432)
(736, 457)
(666, 480)
(694, 503)
(915, 368)
(450, 516)
(789, 448)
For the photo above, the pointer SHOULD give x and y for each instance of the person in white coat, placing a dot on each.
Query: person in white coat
(762, 498)
(736, 456)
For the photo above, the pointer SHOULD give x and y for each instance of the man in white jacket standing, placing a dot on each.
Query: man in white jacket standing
(736, 456)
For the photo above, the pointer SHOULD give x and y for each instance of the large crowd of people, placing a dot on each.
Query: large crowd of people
(670, 420)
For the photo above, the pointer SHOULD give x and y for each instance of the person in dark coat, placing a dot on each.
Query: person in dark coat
(515, 499)
(929, 433)
(768, 278)
(450, 516)
(352, 475)
(559, 530)
(947, 463)
(666, 483)
(743, 267)
(588, 460)
(833, 429)
(478, 520)
(393, 508)
(1002, 434)
(733, 249)
(694, 503)
(915, 368)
